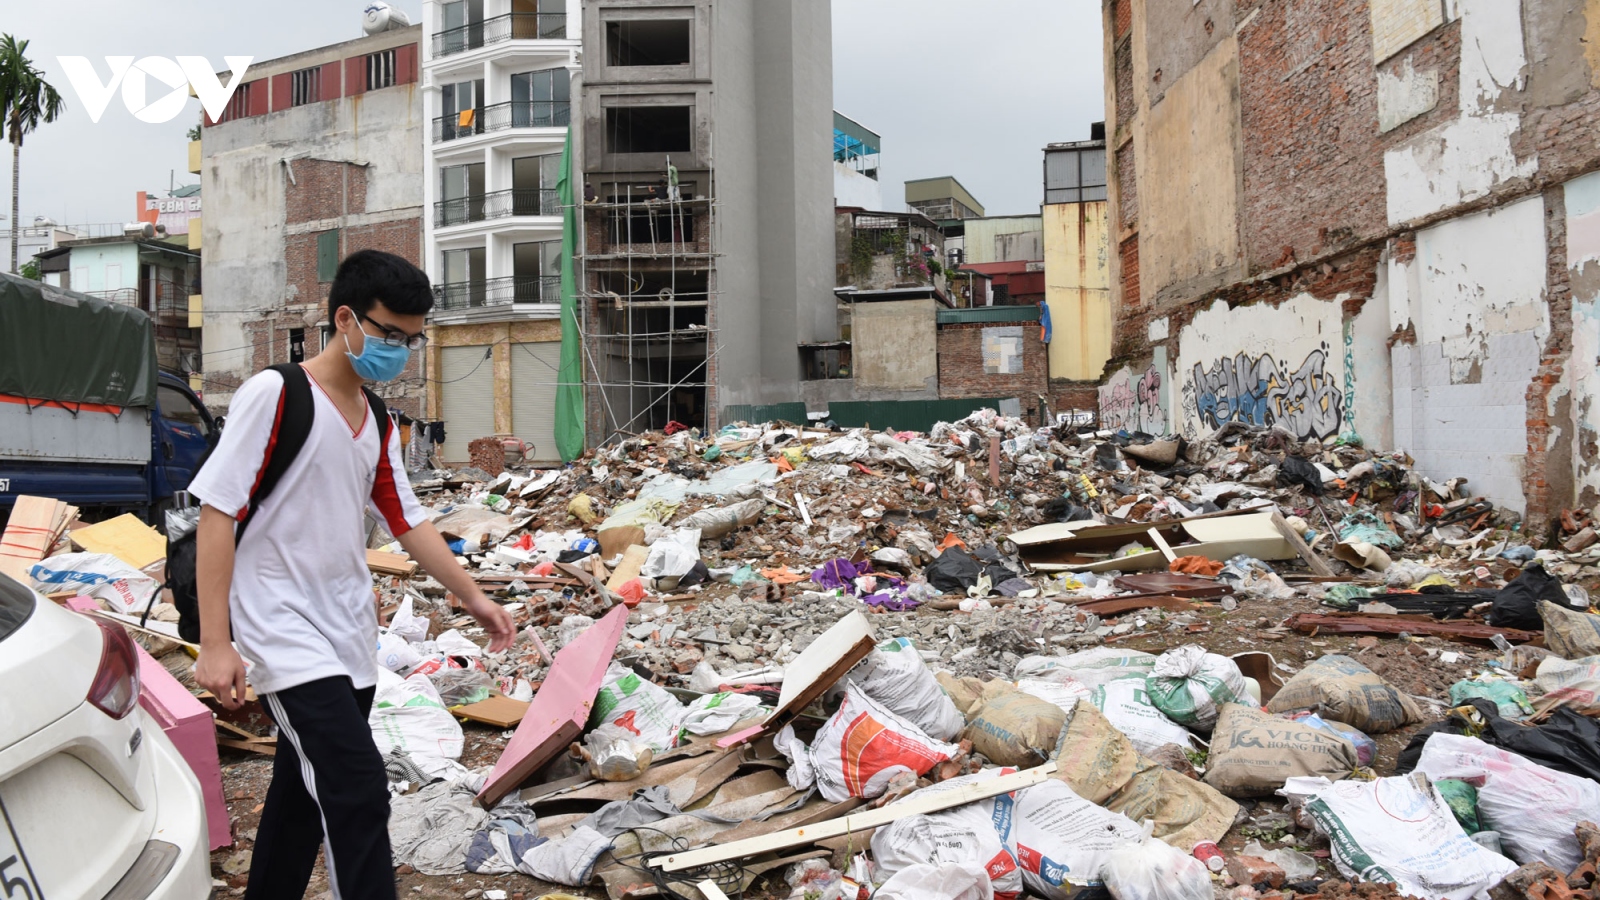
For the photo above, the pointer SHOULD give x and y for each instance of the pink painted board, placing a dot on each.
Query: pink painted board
(188, 724)
(560, 710)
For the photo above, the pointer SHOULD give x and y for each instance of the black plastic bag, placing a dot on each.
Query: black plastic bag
(1302, 472)
(1106, 456)
(1062, 509)
(1517, 604)
(953, 571)
(1567, 742)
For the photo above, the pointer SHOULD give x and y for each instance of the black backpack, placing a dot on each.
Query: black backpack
(290, 428)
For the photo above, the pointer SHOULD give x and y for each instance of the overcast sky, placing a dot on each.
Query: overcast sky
(973, 90)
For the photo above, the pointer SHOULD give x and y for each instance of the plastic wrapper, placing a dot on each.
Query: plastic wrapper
(615, 754)
(1366, 747)
(1507, 697)
(943, 881)
(407, 624)
(458, 687)
(1152, 870)
(99, 575)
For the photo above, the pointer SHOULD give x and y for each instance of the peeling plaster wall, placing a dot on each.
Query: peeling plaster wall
(1583, 264)
(1475, 296)
(1465, 159)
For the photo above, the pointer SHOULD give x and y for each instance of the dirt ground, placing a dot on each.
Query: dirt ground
(1411, 665)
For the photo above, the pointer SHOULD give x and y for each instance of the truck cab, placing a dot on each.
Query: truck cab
(181, 431)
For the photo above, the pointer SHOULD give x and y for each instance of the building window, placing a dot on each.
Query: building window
(297, 345)
(327, 255)
(648, 129)
(540, 99)
(1075, 176)
(305, 86)
(380, 70)
(239, 104)
(648, 42)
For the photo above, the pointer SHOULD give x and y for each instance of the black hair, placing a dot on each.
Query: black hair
(369, 276)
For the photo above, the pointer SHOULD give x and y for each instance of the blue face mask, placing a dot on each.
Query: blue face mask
(378, 361)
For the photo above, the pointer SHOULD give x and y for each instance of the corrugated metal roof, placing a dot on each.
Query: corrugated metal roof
(985, 314)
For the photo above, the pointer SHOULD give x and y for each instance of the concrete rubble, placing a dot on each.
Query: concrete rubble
(1235, 641)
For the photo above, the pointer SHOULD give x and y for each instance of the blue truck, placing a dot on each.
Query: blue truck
(86, 416)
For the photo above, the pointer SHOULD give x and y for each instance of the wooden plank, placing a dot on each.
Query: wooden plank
(870, 818)
(126, 538)
(35, 525)
(1161, 544)
(821, 665)
(248, 746)
(1315, 562)
(501, 712)
(381, 562)
(560, 709)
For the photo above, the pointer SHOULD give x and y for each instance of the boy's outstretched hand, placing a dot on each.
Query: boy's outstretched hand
(494, 619)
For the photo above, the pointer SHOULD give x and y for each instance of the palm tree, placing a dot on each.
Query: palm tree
(26, 99)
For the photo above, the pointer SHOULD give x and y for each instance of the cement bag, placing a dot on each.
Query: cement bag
(966, 692)
(98, 575)
(1127, 705)
(1064, 693)
(858, 750)
(633, 704)
(1253, 754)
(1400, 831)
(408, 715)
(946, 881)
(1153, 870)
(1339, 688)
(1568, 634)
(973, 835)
(672, 556)
(1012, 728)
(1100, 765)
(895, 676)
(1090, 668)
(714, 523)
(1534, 808)
(1062, 841)
(1188, 685)
(1574, 683)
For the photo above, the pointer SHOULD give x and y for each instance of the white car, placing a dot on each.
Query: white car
(95, 802)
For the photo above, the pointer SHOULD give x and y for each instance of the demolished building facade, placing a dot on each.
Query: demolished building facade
(1366, 218)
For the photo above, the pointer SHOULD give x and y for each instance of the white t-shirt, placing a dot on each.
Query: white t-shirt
(302, 602)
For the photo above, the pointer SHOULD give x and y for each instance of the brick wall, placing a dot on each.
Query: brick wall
(961, 372)
(323, 189)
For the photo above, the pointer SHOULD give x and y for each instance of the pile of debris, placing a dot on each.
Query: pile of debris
(993, 659)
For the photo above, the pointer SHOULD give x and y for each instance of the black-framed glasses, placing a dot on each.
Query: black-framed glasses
(394, 337)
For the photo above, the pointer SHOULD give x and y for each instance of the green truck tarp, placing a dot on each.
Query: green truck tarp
(65, 346)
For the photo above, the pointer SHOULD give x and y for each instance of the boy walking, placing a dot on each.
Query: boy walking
(296, 593)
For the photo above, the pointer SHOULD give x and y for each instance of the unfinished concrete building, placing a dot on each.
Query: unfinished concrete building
(708, 235)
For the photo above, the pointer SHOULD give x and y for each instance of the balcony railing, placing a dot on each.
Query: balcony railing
(509, 27)
(498, 291)
(500, 116)
(529, 202)
(168, 306)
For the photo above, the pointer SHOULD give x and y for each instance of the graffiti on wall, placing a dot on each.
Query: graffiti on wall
(1258, 391)
(1131, 402)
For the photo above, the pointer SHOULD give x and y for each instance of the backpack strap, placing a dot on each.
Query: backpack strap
(290, 428)
(385, 424)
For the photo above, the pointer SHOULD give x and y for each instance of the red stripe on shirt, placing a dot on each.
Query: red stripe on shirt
(266, 457)
(385, 494)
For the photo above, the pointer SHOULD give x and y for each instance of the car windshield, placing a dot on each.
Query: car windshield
(16, 605)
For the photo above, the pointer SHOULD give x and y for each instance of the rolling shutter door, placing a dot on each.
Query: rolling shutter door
(468, 395)
(533, 397)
